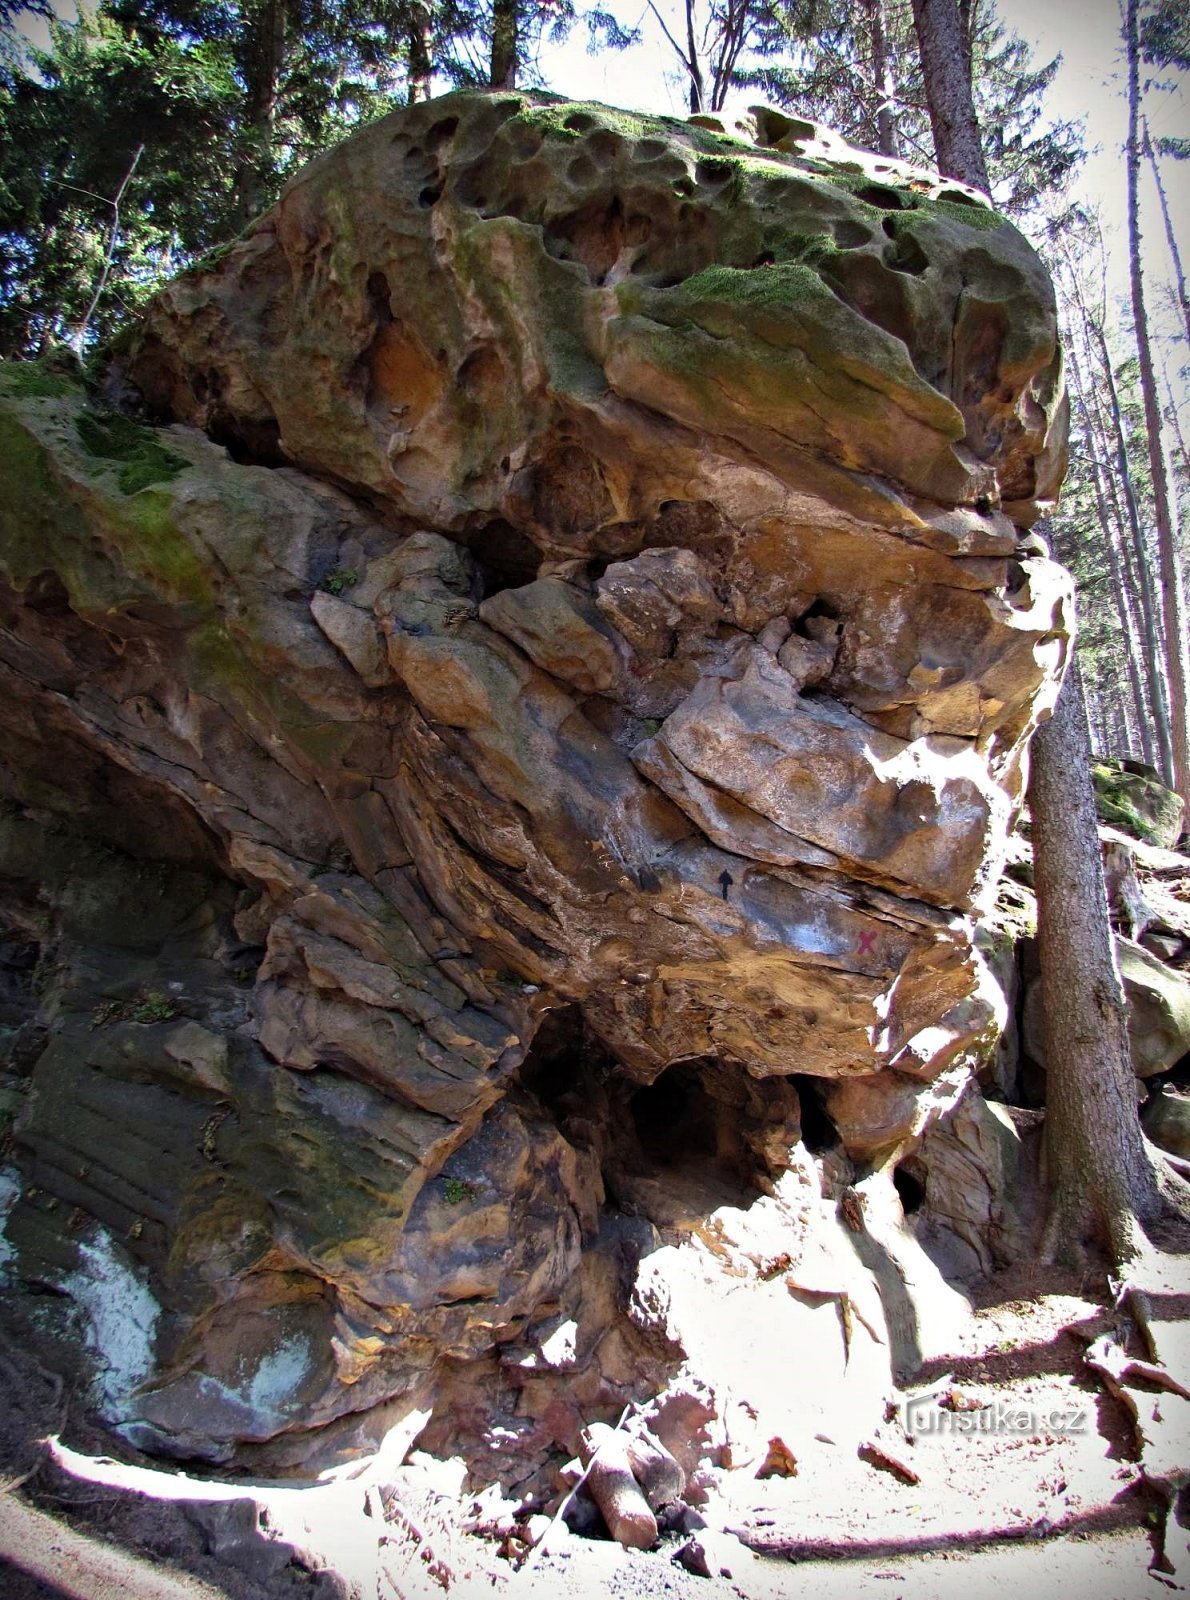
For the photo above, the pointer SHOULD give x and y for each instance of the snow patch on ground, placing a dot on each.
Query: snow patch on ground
(123, 1321)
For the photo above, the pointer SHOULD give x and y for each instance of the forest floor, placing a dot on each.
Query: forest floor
(1058, 1497)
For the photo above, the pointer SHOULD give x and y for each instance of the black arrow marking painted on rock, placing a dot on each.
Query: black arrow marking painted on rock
(726, 880)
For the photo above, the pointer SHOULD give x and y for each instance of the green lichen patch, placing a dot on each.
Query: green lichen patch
(143, 459)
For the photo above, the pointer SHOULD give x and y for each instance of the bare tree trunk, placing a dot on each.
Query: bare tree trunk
(946, 65)
(692, 66)
(1137, 562)
(1173, 599)
(1154, 644)
(1175, 425)
(886, 117)
(1123, 593)
(1170, 237)
(1101, 1178)
(733, 34)
(505, 44)
(267, 32)
(687, 54)
(417, 34)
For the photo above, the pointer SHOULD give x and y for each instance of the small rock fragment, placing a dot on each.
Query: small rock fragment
(712, 1554)
(878, 1454)
(658, 1474)
(779, 1462)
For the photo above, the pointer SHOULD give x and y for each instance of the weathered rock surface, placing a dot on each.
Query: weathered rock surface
(560, 684)
(1166, 1120)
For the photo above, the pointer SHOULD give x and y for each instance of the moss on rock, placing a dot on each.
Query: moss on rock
(143, 459)
(1130, 795)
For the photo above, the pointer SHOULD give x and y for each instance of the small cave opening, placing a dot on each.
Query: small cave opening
(819, 1133)
(675, 1121)
(563, 1062)
(507, 557)
(702, 1134)
(909, 1182)
(19, 956)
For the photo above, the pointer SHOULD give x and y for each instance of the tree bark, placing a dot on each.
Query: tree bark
(1123, 593)
(1155, 658)
(417, 34)
(505, 44)
(946, 66)
(886, 117)
(1173, 599)
(1098, 1169)
(264, 58)
(1171, 238)
(692, 66)
(1102, 1181)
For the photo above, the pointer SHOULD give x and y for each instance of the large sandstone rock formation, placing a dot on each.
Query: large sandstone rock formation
(528, 740)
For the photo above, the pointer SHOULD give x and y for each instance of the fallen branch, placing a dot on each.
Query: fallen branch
(80, 336)
(537, 1549)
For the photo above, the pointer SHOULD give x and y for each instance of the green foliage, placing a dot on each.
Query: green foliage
(341, 578)
(147, 1007)
(144, 459)
(71, 121)
(222, 102)
(462, 36)
(1165, 34)
(455, 1191)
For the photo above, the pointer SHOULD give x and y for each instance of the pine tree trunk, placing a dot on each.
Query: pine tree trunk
(1155, 660)
(266, 36)
(1173, 599)
(1098, 1169)
(693, 69)
(1171, 238)
(886, 117)
(417, 34)
(946, 65)
(1101, 1179)
(505, 44)
(1123, 593)
(1171, 412)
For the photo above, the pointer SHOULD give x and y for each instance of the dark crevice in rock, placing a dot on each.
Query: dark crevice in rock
(507, 556)
(249, 444)
(909, 1180)
(682, 1131)
(819, 1133)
